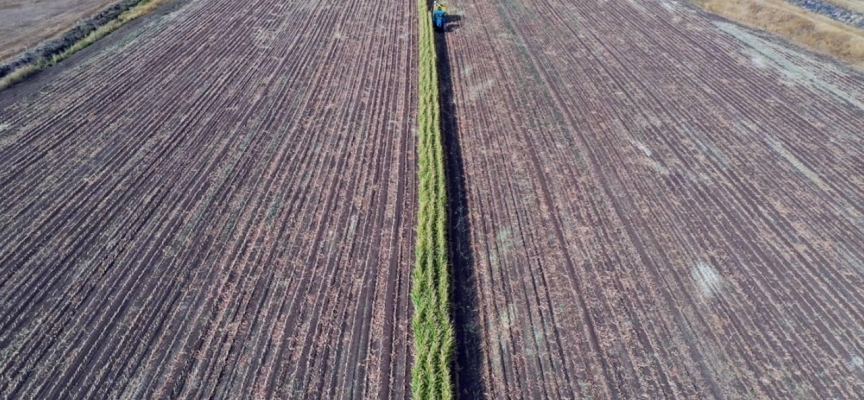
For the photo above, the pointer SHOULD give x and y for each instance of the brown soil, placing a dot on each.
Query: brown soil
(658, 204)
(215, 207)
(25, 23)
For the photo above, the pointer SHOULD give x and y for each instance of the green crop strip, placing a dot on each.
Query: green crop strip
(430, 290)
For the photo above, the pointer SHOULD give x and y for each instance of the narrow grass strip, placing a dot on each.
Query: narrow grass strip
(430, 290)
(25, 71)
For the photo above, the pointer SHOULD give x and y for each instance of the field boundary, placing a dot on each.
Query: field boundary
(74, 40)
(431, 376)
(813, 31)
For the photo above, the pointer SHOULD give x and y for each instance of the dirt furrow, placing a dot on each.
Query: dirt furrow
(709, 205)
(182, 253)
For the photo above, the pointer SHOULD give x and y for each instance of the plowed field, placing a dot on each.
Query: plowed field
(655, 204)
(220, 204)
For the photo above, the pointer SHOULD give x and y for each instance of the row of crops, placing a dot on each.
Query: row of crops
(433, 332)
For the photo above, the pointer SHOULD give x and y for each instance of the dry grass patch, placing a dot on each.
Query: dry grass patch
(816, 32)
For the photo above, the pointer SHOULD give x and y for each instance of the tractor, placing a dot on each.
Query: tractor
(439, 14)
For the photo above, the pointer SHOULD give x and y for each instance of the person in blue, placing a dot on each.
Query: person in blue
(439, 14)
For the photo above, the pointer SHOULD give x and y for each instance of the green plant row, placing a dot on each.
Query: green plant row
(430, 290)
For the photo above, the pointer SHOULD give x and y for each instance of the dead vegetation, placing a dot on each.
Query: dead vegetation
(816, 32)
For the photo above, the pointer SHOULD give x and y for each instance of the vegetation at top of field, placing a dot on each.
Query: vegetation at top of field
(816, 32)
(27, 70)
(430, 291)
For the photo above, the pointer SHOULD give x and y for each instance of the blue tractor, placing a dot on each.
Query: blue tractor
(439, 14)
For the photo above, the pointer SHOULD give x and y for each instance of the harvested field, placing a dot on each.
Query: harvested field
(221, 204)
(649, 202)
(25, 23)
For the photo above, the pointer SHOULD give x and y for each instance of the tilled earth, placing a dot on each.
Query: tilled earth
(221, 204)
(651, 203)
(647, 202)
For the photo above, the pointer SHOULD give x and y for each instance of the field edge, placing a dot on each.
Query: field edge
(807, 29)
(23, 71)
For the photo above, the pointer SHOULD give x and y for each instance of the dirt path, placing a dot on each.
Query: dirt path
(659, 205)
(220, 204)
